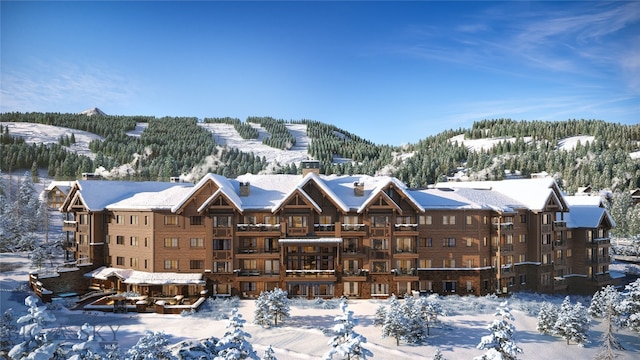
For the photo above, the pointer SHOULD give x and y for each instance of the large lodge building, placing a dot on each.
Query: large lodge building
(332, 236)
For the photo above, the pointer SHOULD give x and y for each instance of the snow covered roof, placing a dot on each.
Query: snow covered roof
(146, 278)
(586, 212)
(64, 186)
(99, 194)
(533, 194)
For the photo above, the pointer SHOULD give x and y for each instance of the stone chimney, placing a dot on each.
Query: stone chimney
(310, 166)
(245, 189)
(358, 188)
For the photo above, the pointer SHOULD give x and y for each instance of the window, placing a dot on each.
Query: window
(426, 242)
(424, 263)
(448, 220)
(195, 220)
(379, 221)
(448, 263)
(546, 219)
(469, 220)
(425, 220)
(545, 279)
(351, 288)
(297, 221)
(272, 220)
(569, 252)
(120, 260)
(133, 219)
(522, 238)
(133, 262)
(350, 267)
(546, 259)
(146, 220)
(522, 258)
(248, 286)
(221, 244)
(119, 219)
(404, 267)
(107, 239)
(350, 245)
(449, 242)
(470, 263)
(546, 239)
(379, 267)
(404, 220)
(380, 244)
(146, 263)
(171, 242)
(249, 264)
(82, 239)
(469, 242)
(449, 286)
(569, 234)
(404, 245)
(106, 218)
(350, 219)
(222, 221)
(146, 242)
(271, 245)
(379, 289)
(133, 241)
(324, 219)
(221, 266)
(171, 264)
(196, 264)
(426, 285)
(589, 235)
(196, 242)
(171, 220)
(523, 279)
(523, 219)
(469, 286)
(272, 267)
(120, 240)
(250, 219)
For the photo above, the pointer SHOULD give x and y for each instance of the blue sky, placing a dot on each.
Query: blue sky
(391, 72)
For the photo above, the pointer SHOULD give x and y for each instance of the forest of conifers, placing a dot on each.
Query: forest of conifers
(175, 145)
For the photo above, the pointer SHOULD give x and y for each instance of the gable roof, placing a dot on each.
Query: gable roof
(222, 183)
(587, 212)
(98, 194)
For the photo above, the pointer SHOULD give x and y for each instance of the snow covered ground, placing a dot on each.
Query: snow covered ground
(571, 142)
(47, 134)
(483, 144)
(301, 336)
(226, 134)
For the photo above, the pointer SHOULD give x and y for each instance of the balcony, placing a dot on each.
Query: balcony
(404, 272)
(598, 259)
(324, 227)
(312, 274)
(356, 272)
(69, 225)
(257, 227)
(405, 250)
(222, 232)
(559, 225)
(353, 227)
(257, 250)
(221, 254)
(406, 227)
(503, 226)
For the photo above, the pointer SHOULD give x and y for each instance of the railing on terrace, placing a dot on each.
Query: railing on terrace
(257, 250)
(559, 225)
(401, 271)
(355, 272)
(69, 225)
(406, 227)
(311, 273)
(405, 250)
(353, 227)
(503, 226)
(258, 227)
(324, 227)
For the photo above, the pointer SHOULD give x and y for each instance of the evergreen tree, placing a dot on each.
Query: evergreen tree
(346, 342)
(609, 342)
(547, 318)
(415, 329)
(90, 348)
(604, 301)
(196, 350)
(630, 306)
(439, 356)
(234, 345)
(271, 306)
(269, 354)
(394, 321)
(153, 345)
(36, 342)
(380, 315)
(500, 343)
(429, 309)
(8, 329)
(572, 323)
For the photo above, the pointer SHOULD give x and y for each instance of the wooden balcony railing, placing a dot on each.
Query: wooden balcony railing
(69, 225)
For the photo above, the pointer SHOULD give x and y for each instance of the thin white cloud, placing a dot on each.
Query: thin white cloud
(57, 86)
